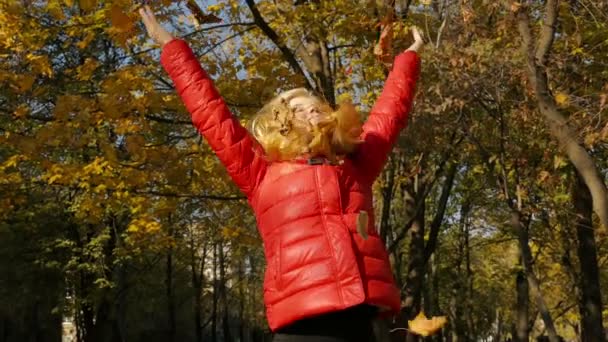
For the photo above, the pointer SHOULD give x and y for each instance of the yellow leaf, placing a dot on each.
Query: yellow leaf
(559, 162)
(88, 5)
(56, 11)
(562, 99)
(54, 178)
(543, 176)
(25, 82)
(423, 326)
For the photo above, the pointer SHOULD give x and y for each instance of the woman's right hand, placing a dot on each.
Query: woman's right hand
(155, 30)
(418, 40)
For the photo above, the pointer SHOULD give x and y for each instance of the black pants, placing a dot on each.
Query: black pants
(351, 325)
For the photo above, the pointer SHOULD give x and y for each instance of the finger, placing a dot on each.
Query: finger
(151, 15)
(145, 19)
(415, 32)
(142, 12)
(149, 26)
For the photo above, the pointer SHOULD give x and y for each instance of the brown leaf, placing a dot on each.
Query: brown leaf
(200, 16)
(362, 221)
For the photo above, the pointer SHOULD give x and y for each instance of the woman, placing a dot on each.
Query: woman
(307, 172)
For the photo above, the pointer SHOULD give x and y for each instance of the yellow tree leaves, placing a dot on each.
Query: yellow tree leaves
(85, 71)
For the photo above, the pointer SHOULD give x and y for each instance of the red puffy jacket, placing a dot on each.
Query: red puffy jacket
(306, 214)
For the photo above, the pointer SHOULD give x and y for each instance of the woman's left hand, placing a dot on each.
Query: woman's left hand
(155, 30)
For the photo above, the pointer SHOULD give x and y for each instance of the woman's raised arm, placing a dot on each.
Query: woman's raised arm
(232, 143)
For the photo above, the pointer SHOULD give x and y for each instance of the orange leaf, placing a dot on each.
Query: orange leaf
(423, 326)
(383, 49)
(120, 20)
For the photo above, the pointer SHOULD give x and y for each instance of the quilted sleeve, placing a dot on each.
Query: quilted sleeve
(388, 116)
(232, 143)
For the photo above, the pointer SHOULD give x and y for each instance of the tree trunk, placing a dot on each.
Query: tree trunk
(241, 280)
(170, 296)
(197, 285)
(590, 301)
(521, 309)
(227, 336)
(387, 196)
(526, 255)
(468, 301)
(121, 306)
(537, 60)
(461, 330)
(215, 295)
(499, 327)
(415, 271)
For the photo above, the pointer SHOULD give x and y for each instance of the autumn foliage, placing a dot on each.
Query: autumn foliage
(115, 213)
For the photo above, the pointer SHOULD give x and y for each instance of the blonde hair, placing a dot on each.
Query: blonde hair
(284, 137)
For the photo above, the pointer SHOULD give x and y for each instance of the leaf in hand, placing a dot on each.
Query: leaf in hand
(423, 326)
(383, 49)
(200, 16)
(362, 221)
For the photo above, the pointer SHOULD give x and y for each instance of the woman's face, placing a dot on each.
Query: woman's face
(306, 109)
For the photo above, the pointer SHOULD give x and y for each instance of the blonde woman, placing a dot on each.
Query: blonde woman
(307, 172)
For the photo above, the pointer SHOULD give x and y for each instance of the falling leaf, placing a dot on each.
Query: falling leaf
(562, 99)
(199, 16)
(119, 19)
(362, 221)
(423, 326)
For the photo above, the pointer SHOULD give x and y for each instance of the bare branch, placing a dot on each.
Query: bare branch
(167, 120)
(177, 195)
(223, 41)
(430, 246)
(274, 37)
(208, 28)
